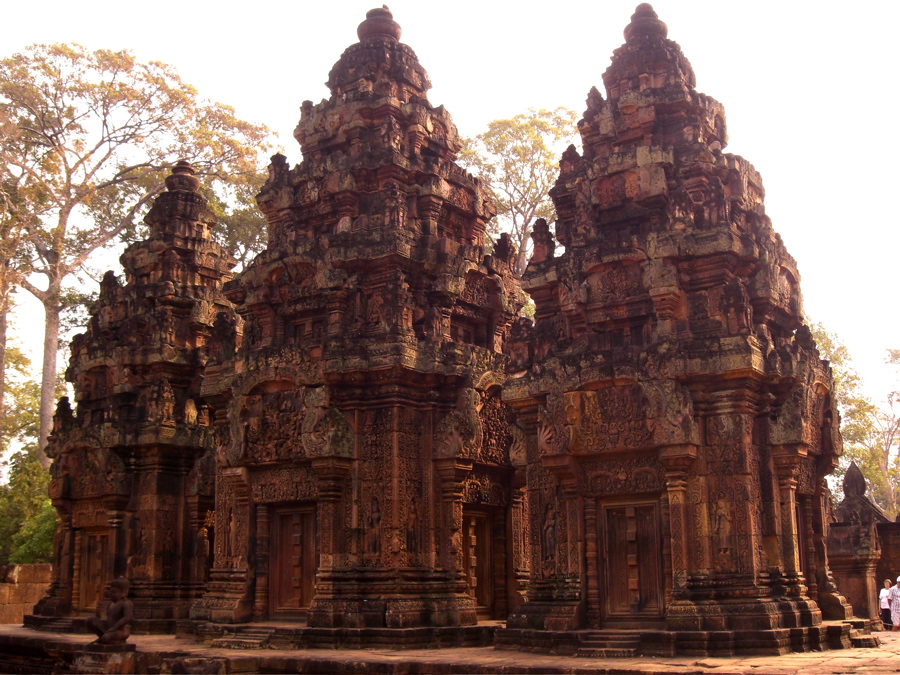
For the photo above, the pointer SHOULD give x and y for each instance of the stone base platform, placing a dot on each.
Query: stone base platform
(26, 651)
(271, 635)
(658, 643)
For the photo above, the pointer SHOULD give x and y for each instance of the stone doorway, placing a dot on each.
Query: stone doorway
(484, 555)
(93, 574)
(293, 560)
(631, 564)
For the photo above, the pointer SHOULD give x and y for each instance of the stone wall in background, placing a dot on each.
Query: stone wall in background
(21, 586)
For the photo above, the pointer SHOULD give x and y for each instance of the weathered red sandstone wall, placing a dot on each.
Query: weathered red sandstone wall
(21, 586)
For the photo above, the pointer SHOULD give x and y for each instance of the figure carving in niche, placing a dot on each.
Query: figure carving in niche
(412, 526)
(374, 309)
(574, 416)
(723, 530)
(252, 331)
(434, 327)
(190, 412)
(392, 134)
(548, 540)
(201, 560)
(737, 307)
(544, 245)
(395, 207)
(228, 544)
(700, 306)
(373, 529)
(583, 211)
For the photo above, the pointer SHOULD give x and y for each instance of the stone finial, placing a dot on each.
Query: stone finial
(854, 482)
(379, 23)
(644, 21)
(182, 178)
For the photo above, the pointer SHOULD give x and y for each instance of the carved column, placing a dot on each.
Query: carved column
(519, 530)
(228, 598)
(118, 560)
(787, 461)
(261, 601)
(452, 472)
(76, 571)
(678, 461)
(332, 473)
(591, 557)
(336, 307)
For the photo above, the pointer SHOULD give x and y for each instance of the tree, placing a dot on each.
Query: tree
(871, 434)
(518, 159)
(92, 136)
(27, 517)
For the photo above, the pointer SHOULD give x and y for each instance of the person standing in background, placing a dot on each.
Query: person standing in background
(885, 605)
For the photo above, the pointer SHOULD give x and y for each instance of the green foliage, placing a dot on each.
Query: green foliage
(25, 513)
(33, 543)
(21, 401)
(871, 433)
(518, 160)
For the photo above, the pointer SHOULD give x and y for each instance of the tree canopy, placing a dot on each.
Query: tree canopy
(871, 433)
(518, 159)
(88, 139)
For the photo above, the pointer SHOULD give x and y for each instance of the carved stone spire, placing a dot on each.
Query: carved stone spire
(181, 210)
(379, 23)
(648, 59)
(644, 21)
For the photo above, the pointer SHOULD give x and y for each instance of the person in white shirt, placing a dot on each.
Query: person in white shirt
(894, 601)
(885, 605)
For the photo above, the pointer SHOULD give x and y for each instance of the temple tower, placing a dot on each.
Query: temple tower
(365, 476)
(133, 465)
(680, 421)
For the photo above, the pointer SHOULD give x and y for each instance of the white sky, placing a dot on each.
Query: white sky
(810, 92)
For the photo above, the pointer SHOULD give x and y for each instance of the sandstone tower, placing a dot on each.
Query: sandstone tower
(133, 465)
(680, 420)
(365, 472)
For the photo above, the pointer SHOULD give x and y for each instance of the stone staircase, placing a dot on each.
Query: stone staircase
(245, 637)
(861, 633)
(609, 644)
(54, 625)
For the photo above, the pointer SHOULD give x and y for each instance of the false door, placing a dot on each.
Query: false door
(484, 557)
(94, 575)
(293, 560)
(632, 563)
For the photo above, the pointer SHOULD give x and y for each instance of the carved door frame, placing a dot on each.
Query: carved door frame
(631, 550)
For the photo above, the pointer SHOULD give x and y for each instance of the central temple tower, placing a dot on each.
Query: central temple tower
(365, 477)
